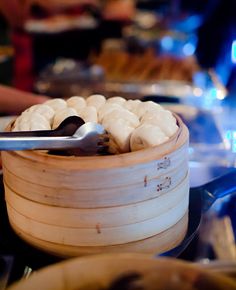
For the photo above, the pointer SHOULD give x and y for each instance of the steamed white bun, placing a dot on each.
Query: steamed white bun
(121, 133)
(107, 108)
(146, 135)
(163, 119)
(149, 106)
(76, 102)
(44, 110)
(89, 114)
(96, 101)
(132, 105)
(31, 121)
(56, 104)
(62, 115)
(116, 100)
(130, 118)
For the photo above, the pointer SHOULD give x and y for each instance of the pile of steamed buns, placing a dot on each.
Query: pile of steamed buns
(133, 124)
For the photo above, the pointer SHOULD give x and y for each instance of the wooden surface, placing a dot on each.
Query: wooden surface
(73, 195)
(103, 216)
(153, 245)
(101, 271)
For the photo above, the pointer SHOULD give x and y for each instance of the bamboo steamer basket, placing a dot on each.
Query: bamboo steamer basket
(125, 271)
(71, 206)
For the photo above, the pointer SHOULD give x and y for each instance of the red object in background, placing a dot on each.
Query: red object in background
(23, 77)
(119, 10)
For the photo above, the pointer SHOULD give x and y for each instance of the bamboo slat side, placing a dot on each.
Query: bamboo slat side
(154, 245)
(101, 217)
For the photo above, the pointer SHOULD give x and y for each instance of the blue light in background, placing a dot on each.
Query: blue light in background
(167, 43)
(188, 49)
(233, 52)
(234, 142)
(230, 136)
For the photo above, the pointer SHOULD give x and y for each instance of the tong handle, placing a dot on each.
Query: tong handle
(33, 143)
(38, 133)
(67, 128)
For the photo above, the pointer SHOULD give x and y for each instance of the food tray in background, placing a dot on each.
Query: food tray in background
(185, 84)
(115, 72)
(171, 91)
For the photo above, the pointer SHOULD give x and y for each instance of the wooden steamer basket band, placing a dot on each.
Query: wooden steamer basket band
(71, 206)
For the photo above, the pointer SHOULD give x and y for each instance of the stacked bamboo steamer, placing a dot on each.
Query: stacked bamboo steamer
(72, 206)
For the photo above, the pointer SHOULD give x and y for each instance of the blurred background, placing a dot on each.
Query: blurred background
(181, 53)
(182, 40)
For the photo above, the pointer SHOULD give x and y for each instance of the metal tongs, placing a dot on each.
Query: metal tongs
(73, 133)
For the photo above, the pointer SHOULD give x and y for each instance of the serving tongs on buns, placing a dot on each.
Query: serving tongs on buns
(73, 135)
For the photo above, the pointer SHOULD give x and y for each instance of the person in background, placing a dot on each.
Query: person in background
(33, 51)
(42, 47)
(13, 101)
(15, 13)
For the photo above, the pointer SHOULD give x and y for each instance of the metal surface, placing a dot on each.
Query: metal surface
(87, 138)
(66, 128)
(6, 263)
(200, 200)
(219, 266)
